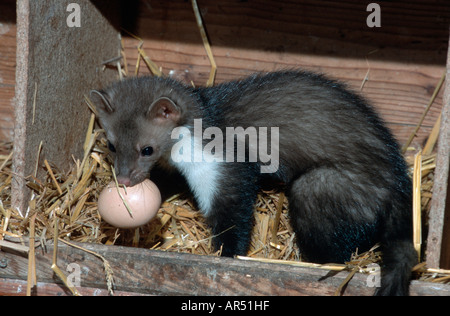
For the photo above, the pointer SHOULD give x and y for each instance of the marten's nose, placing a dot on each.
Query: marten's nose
(124, 180)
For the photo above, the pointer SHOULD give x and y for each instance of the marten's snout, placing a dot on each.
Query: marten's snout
(124, 180)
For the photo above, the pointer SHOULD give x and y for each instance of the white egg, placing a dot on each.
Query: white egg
(143, 199)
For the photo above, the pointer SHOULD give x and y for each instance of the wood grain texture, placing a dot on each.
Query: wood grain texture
(16, 287)
(7, 68)
(164, 273)
(438, 242)
(56, 66)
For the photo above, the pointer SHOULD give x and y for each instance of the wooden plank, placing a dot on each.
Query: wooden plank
(164, 273)
(328, 28)
(438, 248)
(14, 287)
(6, 112)
(7, 67)
(56, 66)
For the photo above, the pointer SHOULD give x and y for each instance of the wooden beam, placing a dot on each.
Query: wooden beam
(165, 273)
(14, 287)
(7, 67)
(438, 248)
(57, 64)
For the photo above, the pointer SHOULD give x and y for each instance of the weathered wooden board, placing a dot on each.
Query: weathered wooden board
(164, 273)
(57, 64)
(438, 245)
(7, 67)
(16, 287)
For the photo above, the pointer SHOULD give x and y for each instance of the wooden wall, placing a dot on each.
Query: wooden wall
(405, 57)
(7, 67)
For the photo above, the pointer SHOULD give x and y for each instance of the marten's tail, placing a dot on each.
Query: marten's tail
(398, 259)
(399, 255)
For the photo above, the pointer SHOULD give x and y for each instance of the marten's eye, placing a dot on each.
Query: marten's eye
(111, 147)
(147, 151)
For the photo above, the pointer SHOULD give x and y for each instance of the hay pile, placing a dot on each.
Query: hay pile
(5, 177)
(71, 198)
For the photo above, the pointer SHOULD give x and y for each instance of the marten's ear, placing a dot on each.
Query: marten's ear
(102, 101)
(164, 111)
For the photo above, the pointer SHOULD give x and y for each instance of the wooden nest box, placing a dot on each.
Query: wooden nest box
(65, 48)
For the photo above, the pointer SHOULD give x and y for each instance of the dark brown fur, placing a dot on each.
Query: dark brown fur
(346, 180)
